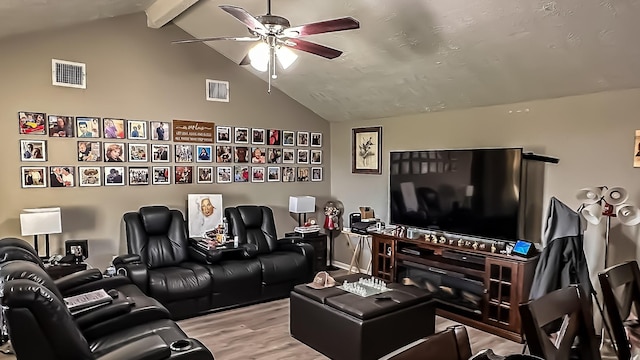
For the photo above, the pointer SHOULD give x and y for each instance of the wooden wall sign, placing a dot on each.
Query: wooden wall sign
(193, 131)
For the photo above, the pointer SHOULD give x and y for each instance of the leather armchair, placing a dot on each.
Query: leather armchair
(161, 262)
(284, 263)
(41, 327)
(123, 312)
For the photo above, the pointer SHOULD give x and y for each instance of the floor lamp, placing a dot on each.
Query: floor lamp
(601, 202)
(44, 221)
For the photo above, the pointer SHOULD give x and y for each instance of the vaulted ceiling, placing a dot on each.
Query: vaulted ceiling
(409, 56)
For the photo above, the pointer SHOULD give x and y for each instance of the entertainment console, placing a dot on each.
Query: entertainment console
(475, 284)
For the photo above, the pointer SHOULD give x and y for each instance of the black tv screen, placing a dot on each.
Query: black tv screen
(471, 192)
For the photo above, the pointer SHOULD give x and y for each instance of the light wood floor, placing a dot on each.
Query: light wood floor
(262, 332)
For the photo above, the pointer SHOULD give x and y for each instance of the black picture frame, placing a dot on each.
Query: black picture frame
(366, 150)
(71, 247)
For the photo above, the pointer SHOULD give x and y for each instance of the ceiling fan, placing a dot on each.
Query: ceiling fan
(276, 36)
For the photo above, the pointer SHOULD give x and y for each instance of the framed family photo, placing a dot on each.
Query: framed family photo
(366, 150)
(316, 174)
(113, 128)
(273, 173)
(223, 134)
(183, 153)
(138, 152)
(89, 176)
(32, 123)
(114, 152)
(62, 176)
(205, 175)
(316, 139)
(257, 136)
(316, 157)
(204, 153)
(33, 150)
(274, 137)
(114, 175)
(288, 138)
(224, 175)
(89, 151)
(138, 175)
(183, 174)
(88, 127)
(161, 175)
(34, 177)
(61, 126)
(303, 138)
(241, 135)
(160, 131)
(160, 153)
(137, 129)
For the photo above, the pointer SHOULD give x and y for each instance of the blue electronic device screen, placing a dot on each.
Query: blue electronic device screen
(522, 247)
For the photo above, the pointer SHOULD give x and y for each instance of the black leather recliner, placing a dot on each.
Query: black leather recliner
(41, 327)
(190, 281)
(161, 262)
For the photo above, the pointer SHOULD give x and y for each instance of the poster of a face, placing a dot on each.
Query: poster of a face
(205, 213)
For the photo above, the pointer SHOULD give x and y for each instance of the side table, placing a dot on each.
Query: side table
(60, 270)
(319, 243)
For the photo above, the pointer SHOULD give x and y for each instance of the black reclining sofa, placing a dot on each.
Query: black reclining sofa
(190, 281)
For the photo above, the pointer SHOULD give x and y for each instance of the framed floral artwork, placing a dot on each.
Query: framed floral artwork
(366, 146)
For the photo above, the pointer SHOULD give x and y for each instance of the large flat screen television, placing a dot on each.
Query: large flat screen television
(470, 192)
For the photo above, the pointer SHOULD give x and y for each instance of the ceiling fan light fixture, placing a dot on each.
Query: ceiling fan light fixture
(259, 56)
(285, 56)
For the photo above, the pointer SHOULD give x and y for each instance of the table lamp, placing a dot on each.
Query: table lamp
(43, 221)
(302, 205)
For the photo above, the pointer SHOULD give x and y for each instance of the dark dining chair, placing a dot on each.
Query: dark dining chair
(571, 309)
(450, 344)
(621, 289)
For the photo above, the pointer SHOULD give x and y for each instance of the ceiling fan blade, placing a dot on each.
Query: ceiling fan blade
(246, 38)
(245, 60)
(345, 23)
(312, 48)
(243, 16)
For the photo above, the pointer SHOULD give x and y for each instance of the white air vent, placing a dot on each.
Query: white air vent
(68, 74)
(217, 90)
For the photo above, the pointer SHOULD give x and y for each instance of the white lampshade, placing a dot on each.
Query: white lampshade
(40, 221)
(592, 213)
(615, 195)
(302, 204)
(285, 56)
(589, 195)
(628, 214)
(259, 56)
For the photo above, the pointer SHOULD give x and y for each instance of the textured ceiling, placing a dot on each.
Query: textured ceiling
(412, 56)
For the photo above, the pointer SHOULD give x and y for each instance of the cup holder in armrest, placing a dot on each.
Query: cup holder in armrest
(180, 345)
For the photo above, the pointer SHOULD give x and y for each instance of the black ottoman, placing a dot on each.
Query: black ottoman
(346, 326)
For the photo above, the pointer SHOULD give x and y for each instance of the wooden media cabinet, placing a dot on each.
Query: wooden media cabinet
(473, 285)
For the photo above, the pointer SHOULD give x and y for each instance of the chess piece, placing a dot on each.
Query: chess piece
(493, 248)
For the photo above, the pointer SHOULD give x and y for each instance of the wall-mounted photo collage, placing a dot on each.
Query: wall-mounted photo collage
(242, 154)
